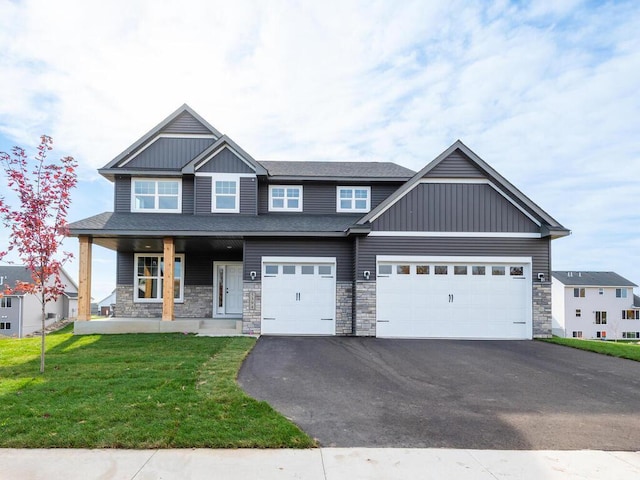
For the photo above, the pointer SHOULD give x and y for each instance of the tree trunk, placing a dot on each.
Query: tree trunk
(42, 338)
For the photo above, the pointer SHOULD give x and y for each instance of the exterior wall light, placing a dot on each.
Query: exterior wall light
(253, 275)
(366, 274)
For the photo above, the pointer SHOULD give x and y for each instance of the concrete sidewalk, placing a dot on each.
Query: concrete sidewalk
(316, 464)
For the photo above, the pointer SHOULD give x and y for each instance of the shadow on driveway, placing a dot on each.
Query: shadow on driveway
(369, 392)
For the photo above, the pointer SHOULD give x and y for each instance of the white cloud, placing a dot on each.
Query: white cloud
(545, 92)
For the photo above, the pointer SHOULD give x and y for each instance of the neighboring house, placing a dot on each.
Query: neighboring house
(320, 248)
(20, 314)
(594, 305)
(106, 305)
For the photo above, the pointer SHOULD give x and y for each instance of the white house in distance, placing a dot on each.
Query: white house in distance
(20, 313)
(107, 304)
(594, 305)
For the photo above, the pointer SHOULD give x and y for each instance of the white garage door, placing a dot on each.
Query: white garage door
(298, 296)
(470, 298)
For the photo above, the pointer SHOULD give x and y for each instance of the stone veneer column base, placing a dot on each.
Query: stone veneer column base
(251, 307)
(542, 310)
(365, 309)
(198, 303)
(344, 308)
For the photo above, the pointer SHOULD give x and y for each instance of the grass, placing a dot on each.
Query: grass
(134, 391)
(630, 351)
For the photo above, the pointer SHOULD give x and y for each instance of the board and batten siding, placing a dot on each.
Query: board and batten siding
(186, 123)
(320, 198)
(203, 192)
(537, 248)
(454, 207)
(170, 153)
(255, 249)
(225, 161)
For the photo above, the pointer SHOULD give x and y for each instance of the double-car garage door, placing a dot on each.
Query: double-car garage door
(453, 298)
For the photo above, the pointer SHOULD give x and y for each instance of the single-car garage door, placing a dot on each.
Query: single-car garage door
(429, 297)
(298, 296)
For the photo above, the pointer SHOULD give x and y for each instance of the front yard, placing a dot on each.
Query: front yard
(134, 391)
(628, 350)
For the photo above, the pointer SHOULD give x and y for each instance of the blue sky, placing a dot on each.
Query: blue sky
(546, 92)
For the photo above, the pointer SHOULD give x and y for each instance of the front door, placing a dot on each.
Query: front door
(227, 284)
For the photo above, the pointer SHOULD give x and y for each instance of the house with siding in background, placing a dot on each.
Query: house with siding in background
(21, 313)
(205, 232)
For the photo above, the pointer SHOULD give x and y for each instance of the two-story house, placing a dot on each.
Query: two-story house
(320, 248)
(594, 305)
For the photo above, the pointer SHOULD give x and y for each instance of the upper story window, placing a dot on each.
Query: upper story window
(225, 194)
(621, 293)
(578, 292)
(155, 195)
(285, 198)
(353, 199)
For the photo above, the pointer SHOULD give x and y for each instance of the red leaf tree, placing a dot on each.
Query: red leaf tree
(37, 224)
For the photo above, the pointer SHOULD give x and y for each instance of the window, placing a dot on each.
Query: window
(225, 195)
(497, 271)
(5, 325)
(621, 293)
(353, 199)
(578, 292)
(402, 269)
(601, 318)
(578, 312)
(308, 269)
(5, 302)
(154, 195)
(440, 270)
(384, 270)
(602, 335)
(478, 270)
(460, 270)
(289, 269)
(149, 276)
(601, 291)
(630, 334)
(630, 314)
(516, 271)
(577, 334)
(326, 269)
(285, 198)
(271, 269)
(422, 269)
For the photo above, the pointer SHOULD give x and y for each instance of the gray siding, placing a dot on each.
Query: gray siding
(320, 198)
(122, 194)
(249, 195)
(187, 195)
(454, 207)
(225, 162)
(255, 249)
(124, 268)
(203, 195)
(456, 165)
(170, 153)
(369, 247)
(185, 123)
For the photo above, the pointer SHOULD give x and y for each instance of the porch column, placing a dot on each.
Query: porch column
(167, 289)
(84, 277)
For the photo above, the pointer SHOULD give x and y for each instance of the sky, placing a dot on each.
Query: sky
(546, 92)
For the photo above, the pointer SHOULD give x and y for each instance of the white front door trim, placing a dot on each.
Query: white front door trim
(225, 304)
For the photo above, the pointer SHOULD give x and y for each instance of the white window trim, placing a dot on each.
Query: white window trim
(285, 208)
(225, 177)
(355, 187)
(180, 299)
(156, 195)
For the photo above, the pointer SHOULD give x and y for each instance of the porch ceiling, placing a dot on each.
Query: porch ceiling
(183, 244)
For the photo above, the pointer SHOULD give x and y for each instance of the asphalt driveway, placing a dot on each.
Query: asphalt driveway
(368, 392)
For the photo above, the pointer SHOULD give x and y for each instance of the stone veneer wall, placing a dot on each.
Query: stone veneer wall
(344, 308)
(542, 310)
(198, 303)
(365, 309)
(251, 307)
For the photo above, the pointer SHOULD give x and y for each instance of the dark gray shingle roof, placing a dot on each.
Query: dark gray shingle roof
(592, 279)
(9, 274)
(365, 170)
(636, 301)
(109, 223)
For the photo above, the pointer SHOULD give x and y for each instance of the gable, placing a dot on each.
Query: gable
(186, 123)
(455, 207)
(456, 165)
(224, 161)
(168, 153)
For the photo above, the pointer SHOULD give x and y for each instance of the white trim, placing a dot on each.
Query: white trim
(214, 174)
(353, 199)
(217, 264)
(298, 260)
(225, 177)
(378, 233)
(216, 152)
(160, 289)
(285, 208)
(166, 135)
(156, 194)
(452, 259)
(457, 180)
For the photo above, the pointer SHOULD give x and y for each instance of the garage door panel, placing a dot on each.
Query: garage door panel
(454, 300)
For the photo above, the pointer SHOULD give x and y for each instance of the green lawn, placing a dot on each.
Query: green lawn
(627, 350)
(134, 391)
